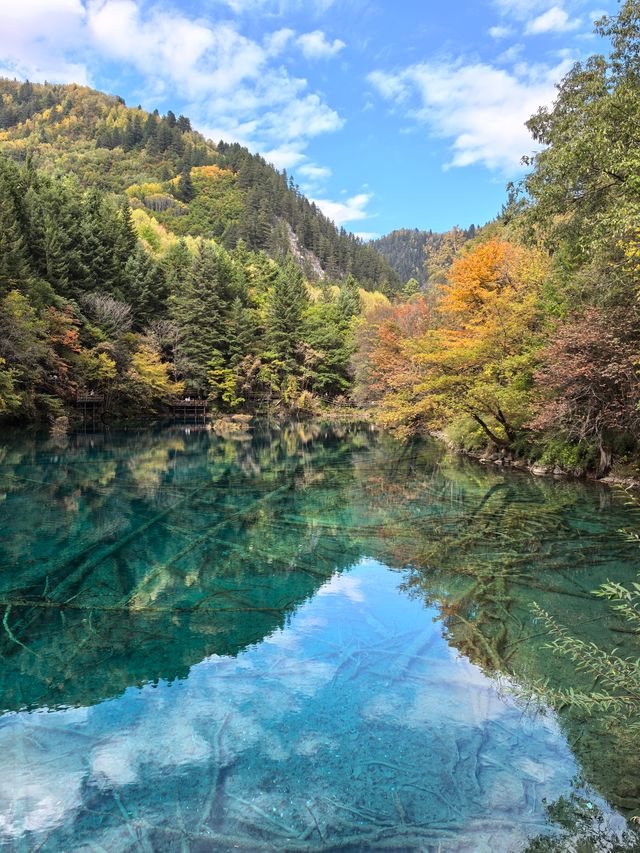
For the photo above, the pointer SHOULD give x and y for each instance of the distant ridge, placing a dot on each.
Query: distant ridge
(112, 147)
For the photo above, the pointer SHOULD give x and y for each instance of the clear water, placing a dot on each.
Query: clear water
(307, 638)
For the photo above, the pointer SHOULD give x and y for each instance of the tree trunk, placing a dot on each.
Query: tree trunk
(606, 458)
(500, 442)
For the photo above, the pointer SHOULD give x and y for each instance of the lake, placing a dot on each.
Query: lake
(307, 637)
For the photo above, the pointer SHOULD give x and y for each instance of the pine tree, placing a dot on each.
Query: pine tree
(185, 190)
(126, 238)
(349, 303)
(200, 310)
(145, 288)
(177, 266)
(328, 336)
(264, 226)
(243, 329)
(98, 233)
(410, 289)
(285, 306)
(14, 267)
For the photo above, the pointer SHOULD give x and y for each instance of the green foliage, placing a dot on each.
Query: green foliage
(221, 192)
(200, 311)
(9, 398)
(91, 307)
(328, 336)
(224, 384)
(149, 376)
(465, 433)
(286, 303)
(419, 255)
(411, 288)
(535, 330)
(575, 457)
(585, 181)
(176, 279)
(616, 679)
(184, 189)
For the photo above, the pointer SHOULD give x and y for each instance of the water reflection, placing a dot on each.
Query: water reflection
(203, 647)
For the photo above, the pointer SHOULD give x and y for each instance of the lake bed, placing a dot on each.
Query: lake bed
(299, 638)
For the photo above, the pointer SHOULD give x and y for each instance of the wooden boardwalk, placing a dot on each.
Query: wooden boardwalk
(188, 407)
(89, 403)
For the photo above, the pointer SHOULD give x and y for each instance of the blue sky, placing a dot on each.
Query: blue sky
(389, 114)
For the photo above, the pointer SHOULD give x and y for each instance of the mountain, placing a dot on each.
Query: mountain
(421, 255)
(192, 186)
(140, 262)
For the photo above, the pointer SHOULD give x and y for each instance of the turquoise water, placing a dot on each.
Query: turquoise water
(305, 638)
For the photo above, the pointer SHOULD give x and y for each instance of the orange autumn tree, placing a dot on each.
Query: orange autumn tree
(477, 366)
(385, 370)
(468, 366)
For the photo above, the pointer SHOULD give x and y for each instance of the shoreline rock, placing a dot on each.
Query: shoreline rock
(506, 460)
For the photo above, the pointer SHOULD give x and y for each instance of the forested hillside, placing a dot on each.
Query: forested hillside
(96, 298)
(138, 260)
(421, 255)
(160, 163)
(533, 343)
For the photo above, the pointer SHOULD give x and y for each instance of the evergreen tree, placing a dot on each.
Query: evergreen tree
(243, 329)
(349, 304)
(126, 238)
(145, 288)
(99, 232)
(328, 336)
(200, 311)
(184, 190)
(177, 266)
(410, 289)
(264, 226)
(286, 303)
(14, 267)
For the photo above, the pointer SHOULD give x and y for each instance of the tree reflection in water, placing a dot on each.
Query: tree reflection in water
(129, 558)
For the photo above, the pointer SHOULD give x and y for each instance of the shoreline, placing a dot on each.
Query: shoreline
(232, 422)
(505, 460)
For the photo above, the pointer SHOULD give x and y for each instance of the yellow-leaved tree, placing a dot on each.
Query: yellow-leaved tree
(477, 364)
(149, 376)
(467, 365)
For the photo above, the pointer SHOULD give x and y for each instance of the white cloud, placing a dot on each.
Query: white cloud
(480, 107)
(391, 86)
(42, 39)
(351, 210)
(277, 7)
(554, 20)
(314, 173)
(500, 32)
(304, 117)
(312, 178)
(284, 157)
(237, 92)
(315, 45)
(235, 87)
(511, 54)
(276, 42)
(367, 235)
(166, 45)
(345, 585)
(521, 9)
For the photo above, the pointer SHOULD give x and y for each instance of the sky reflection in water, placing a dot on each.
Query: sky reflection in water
(208, 645)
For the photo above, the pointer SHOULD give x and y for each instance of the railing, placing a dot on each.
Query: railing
(85, 399)
(189, 403)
